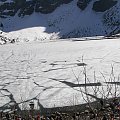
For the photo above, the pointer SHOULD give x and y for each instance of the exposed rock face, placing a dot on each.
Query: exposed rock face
(47, 6)
(28, 7)
(108, 21)
(10, 8)
(103, 5)
(111, 19)
(82, 4)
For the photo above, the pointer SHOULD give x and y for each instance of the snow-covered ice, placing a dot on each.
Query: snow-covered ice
(48, 71)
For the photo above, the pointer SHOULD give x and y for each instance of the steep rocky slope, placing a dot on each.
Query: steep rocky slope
(51, 19)
(27, 7)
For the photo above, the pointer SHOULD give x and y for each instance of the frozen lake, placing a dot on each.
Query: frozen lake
(55, 72)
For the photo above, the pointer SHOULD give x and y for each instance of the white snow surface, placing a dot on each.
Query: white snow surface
(38, 70)
(45, 70)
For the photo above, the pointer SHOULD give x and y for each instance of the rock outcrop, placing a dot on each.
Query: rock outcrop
(103, 5)
(24, 7)
(82, 4)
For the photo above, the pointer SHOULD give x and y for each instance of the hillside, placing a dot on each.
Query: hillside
(38, 20)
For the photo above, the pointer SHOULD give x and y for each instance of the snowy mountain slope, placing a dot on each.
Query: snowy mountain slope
(47, 71)
(66, 21)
